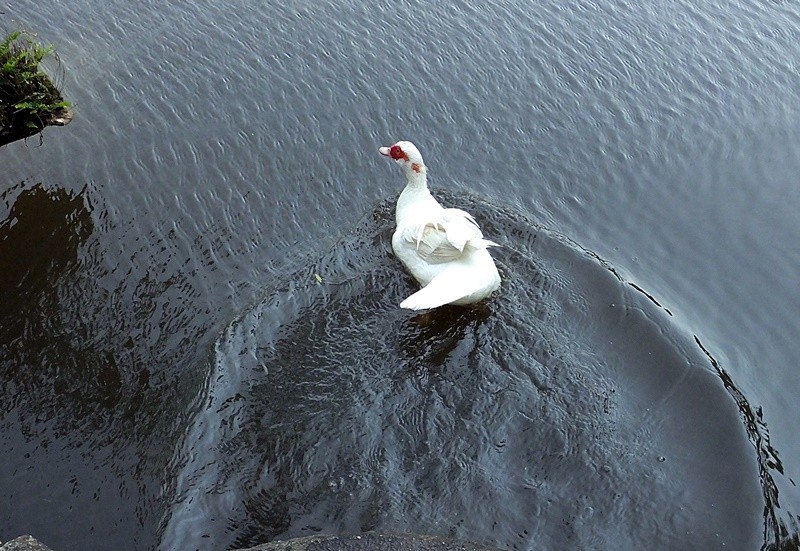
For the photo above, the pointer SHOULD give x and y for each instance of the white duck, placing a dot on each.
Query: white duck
(443, 249)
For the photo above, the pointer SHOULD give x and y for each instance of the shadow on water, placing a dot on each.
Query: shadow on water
(569, 411)
(39, 239)
(90, 364)
(59, 392)
(39, 242)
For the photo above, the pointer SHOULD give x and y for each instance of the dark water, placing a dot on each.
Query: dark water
(175, 375)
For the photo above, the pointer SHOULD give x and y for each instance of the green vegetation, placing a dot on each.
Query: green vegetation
(29, 100)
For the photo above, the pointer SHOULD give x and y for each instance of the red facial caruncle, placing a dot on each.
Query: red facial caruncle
(396, 152)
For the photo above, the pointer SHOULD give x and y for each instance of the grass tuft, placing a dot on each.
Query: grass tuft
(28, 98)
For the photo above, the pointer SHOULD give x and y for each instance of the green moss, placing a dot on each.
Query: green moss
(28, 98)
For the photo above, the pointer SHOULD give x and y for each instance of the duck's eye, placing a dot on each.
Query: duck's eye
(396, 152)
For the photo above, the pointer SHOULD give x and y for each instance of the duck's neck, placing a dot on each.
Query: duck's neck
(415, 198)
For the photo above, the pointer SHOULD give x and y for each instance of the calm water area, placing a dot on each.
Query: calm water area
(200, 339)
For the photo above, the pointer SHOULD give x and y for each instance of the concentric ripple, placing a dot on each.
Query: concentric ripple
(567, 412)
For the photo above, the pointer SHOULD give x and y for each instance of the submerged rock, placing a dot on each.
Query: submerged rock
(370, 541)
(24, 543)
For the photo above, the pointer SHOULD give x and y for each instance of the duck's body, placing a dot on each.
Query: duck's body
(443, 249)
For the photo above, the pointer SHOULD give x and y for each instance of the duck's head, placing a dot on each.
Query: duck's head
(406, 155)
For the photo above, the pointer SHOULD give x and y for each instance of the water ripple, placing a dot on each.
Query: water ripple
(568, 401)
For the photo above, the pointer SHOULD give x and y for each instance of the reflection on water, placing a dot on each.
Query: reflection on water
(39, 243)
(60, 392)
(566, 412)
(39, 240)
(86, 418)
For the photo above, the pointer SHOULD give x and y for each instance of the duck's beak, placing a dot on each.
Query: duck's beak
(384, 151)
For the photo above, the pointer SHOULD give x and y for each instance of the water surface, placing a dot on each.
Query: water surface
(175, 375)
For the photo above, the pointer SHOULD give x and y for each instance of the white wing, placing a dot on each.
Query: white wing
(444, 237)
